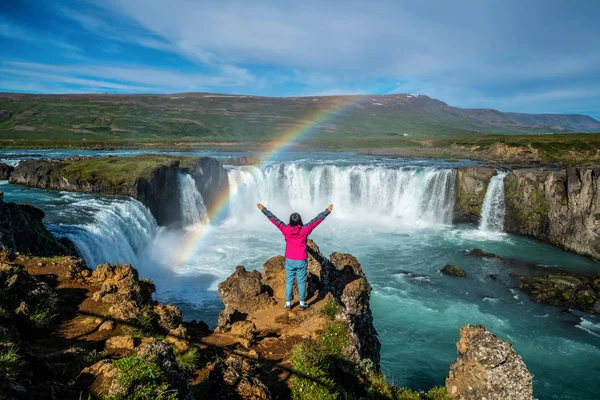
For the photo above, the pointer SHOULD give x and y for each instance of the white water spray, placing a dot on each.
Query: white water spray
(406, 195)
(193, 210)
(121, 230)
(493, 210)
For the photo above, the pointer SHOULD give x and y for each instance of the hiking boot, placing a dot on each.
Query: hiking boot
(303, 307)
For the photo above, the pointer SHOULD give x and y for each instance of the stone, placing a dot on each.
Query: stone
(22, 309)
(107, 325)
(160, 351)
(487, 368)
(127, 311)
(120, 343)
(180, 338)
(273, 274)
(480, 253)
(230, 315)
(453, 270)
(231, 381)
(169, 317)
(244, 329)
(244, 291)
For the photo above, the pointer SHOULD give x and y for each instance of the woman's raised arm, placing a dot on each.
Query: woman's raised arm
(276, 221)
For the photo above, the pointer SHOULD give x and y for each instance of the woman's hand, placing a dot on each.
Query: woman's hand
(330, 208)
(260, 206)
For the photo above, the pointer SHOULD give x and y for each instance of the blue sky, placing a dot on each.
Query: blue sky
(527, 55)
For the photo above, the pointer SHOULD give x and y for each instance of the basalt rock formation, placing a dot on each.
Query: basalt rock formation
(558, 207)
(22, 231)
(151, 179)
(487, 368)
(339, 278)
(471, 186)
(5, 171)
(564, 290)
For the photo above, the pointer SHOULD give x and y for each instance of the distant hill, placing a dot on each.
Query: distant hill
(207, 116)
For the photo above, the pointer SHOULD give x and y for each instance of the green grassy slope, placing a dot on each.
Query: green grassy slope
(209, 117)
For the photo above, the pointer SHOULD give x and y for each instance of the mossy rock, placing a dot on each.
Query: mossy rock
(453, 270)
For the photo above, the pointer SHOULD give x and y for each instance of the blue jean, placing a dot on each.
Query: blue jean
(295, 268)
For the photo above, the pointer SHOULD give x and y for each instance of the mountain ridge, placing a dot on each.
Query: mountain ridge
(214, 116)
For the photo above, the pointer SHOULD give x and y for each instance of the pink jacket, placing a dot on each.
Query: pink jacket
(295, 236)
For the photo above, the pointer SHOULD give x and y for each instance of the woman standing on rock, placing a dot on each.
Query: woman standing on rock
(295, 234)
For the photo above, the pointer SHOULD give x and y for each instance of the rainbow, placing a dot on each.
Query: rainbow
(197, 238)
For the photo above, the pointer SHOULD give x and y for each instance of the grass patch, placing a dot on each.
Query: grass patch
(11, 365)
(93, 357)
(330, 309)
(190, 360)
(144, 380)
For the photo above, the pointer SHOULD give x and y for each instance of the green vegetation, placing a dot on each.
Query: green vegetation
(322, 371)
(93, 357)
(190, 360)
(330, 309)
(144, 324)
(11, 365)
(144, 380)
(45, 312)
(529, 209)
(116, 172)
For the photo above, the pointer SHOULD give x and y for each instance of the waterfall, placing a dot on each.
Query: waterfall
(193, 210)
(493, 210)
(407, 195)
(118, 230)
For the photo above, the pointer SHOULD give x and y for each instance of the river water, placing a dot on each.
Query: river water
(394, 216)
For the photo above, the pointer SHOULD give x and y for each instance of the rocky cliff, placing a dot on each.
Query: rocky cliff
(558, 207)
(152, 179)
(487, 368)
(471, 185)
(22, 231)
(5, 171)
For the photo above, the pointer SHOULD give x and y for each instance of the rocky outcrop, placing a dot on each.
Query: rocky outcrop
(564, 290)
(558, 207)
(471, 185)
(153, 180)
(22, 231)
(341, 277)
(453, 270)
(487, 368)
(5, 171)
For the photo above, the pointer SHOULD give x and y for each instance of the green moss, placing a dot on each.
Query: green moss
(93, 357)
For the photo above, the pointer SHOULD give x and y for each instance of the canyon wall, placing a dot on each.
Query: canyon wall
(558, 207)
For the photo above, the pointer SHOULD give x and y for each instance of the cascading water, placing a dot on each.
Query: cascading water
(193, 210)
(119, 230)
(493, 210)
(410, 195)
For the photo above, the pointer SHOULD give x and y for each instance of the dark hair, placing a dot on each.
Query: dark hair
(295, 219)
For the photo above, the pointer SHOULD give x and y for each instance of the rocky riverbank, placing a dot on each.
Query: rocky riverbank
(152, 179)
(70, 332)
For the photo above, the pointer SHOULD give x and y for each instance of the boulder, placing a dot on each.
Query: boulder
(120, 343)
(245, 292)
(453, 270)
(180, 338)
(480, 253)
(487, 368)
(169, 317)
(243, 329)
(273, 274)
(228, 380)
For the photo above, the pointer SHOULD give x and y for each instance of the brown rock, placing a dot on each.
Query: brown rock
(180, 339)
(23, 309)
(120, 343)
(169, 317)
(244, 291)
(107, 325)
(453, 270)
(244, 329)
(273, 274)
(471, 185)
(487, 368)
(230, 381)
